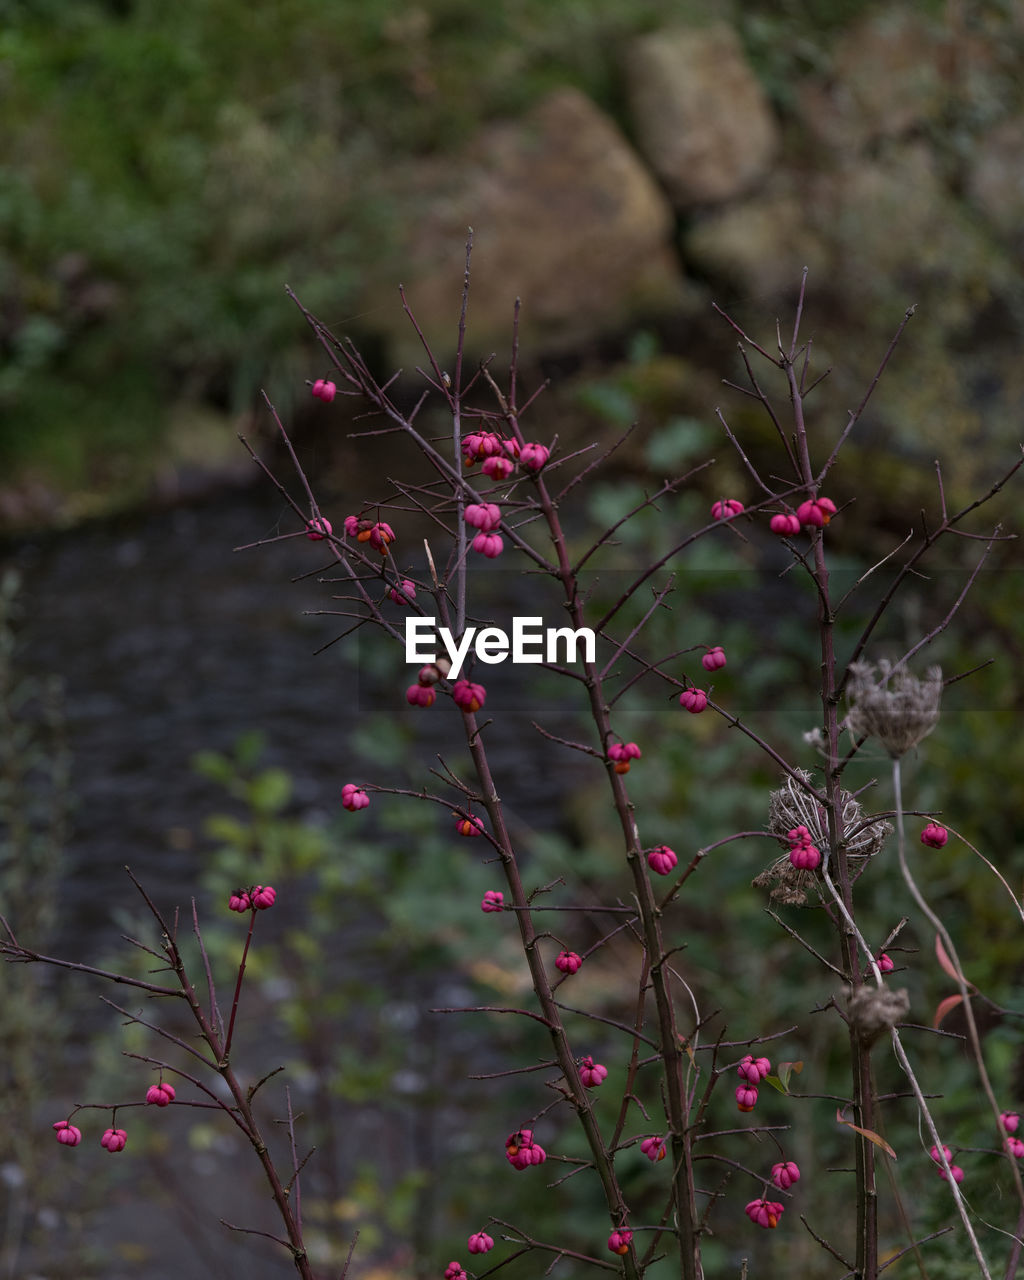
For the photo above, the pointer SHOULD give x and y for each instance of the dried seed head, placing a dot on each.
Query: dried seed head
(875, 1010)
(894, 707)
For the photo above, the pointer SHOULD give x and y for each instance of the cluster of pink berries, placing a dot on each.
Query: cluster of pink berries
(324, 390)
(353, 798)
(661, 860)
(592, 1073)
(954, 1169)
(69, 1135)
(423, 693)
(499, 456)
(569, 962)
(377, 533)
(493, 900)
(522, 1152)
(751, 1071)
(803, 854)
(934, 836)
(258, 898)
(486, 517)
(815, 513)
(1010, 1120)
(621, 753)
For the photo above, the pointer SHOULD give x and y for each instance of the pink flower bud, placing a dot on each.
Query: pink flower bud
(68, 1135)
(114, 1140)
(693, 700)
(885, 964)
(805, 857)
(934, 836)
(263, 896)
(498, 468)
(753, 1069)
(483, 515)
(471, 826)
(661, 860)
(534, 456)
(353, 798)
(816, 513)
(160, 1095)
(318, 528)
(490, 545)
(239, 901)
(621, 753)
(784, 1174)
(714, 659)
(765, 1213)
(746, 1097)
(480, 1242)
(468, 696)
(324, 390)
(420, 695)
(653, 1148)
(407, 593)
(784, 525)
(619, 1241)
(568, 962)
(1010, 1120)
(726, 509)
(592, 1073)
(454, 1271)
(493, 900)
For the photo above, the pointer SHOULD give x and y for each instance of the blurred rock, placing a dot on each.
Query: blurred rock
(701, 118)
(566, 217)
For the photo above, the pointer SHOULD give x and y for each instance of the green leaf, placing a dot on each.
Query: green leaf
(269, 791)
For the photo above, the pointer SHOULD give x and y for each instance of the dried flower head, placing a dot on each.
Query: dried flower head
(793, 806)
(875, 1010)
(892, 706)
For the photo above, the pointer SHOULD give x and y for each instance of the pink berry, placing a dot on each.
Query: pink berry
(784, 1174)
(471, 826)
(568, 962)
(621, 753)
(885, 964)
(498, 468)
(405, 595)
(239, 901)
(263, 896)
(955, 1170)
(816, 513)
(694, 700)
(798, 836)
(522, 1152)
(653, 1148)
(619, 1241)
(746, 1097)
(934, 836)
(1015, 1146)
(934, 1153)
(714, 659)
(726, 509)
(352, 526)
(493, 900)
(68, 1135)
(661, 860)
(114, 1140)
(454, 1271)
(752, 1069)
(764, 1213)
(480, 1242)
(483, 515)
(318, 528)
(160, 1095)
(1010, 1120)
(468, 696)
(592, 1073)
(490, 545)
(353, 798)
(420, 695)
(805, 857)
(381, 536)
(534, 456)
(784, 525)
(324, 390)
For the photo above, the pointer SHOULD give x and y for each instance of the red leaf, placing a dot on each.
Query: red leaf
(945, 963)
(944, 1007)
(867, 1133)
